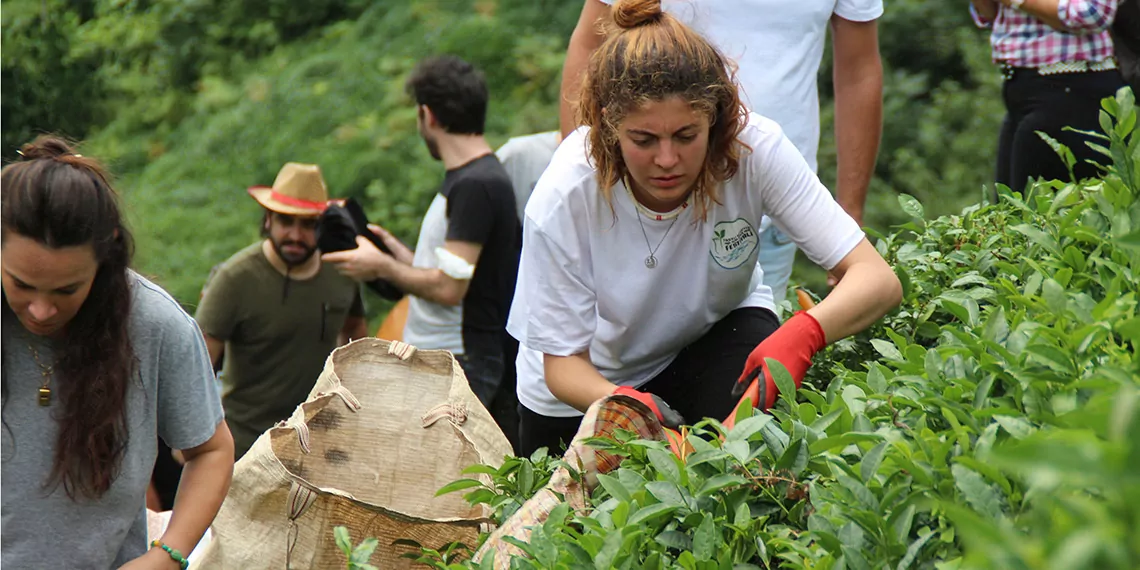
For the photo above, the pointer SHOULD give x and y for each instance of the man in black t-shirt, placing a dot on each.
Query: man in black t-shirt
(461, 276)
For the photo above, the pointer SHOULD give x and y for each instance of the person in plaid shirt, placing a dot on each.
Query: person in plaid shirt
(1057, 60)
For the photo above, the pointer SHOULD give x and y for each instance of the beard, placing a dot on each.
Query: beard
(432, 146)
(293, 259)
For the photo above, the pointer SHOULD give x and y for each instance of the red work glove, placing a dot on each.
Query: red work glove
(665, 414)
(793, 345)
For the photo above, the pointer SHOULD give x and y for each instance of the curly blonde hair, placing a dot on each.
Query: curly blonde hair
(649, 56)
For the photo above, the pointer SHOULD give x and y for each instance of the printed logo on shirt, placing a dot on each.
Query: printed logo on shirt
(733, 243)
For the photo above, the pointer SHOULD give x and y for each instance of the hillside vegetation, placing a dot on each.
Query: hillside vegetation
(194, 101)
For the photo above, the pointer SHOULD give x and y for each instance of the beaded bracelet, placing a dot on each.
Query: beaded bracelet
(173, 552)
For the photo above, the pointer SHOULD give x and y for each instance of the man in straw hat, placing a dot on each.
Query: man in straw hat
(275, 311)
(462, 274)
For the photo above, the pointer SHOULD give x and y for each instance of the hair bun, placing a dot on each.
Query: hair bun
(633, 13)
(45, 146)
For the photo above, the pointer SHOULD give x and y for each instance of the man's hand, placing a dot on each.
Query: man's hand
(399, 250)
(364, 263)
(665, 414)
(793, 345)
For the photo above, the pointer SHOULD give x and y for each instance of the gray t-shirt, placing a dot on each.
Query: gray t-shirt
(173, 396)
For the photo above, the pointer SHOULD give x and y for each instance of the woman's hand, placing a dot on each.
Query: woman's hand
(575, 380)
(664, 412)
(792, 345)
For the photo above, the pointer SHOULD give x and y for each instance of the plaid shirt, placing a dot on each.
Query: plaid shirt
(1021, 40)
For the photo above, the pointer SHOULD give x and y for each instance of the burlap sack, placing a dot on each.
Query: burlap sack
(384, 428)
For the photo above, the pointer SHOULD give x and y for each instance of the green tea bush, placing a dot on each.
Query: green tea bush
(992, 422)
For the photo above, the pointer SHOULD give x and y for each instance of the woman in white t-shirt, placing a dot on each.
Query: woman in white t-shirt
(638, 272)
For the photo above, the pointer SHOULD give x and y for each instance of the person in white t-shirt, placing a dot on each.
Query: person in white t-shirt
(641, 237)
(525, 158)
(777, 46)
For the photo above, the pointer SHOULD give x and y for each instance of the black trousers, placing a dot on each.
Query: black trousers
(1049, 103)
(489, 364)
(698, 383)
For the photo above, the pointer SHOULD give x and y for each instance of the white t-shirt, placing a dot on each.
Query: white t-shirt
(525, 158)
(583, 283)
(778, 46)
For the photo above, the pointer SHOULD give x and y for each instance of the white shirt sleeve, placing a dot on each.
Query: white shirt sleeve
(560, 298)
(859, 10)
(798, 203)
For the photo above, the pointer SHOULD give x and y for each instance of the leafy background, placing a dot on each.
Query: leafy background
(193, 101)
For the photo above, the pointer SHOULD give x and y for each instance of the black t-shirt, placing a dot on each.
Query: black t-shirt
(481, 209)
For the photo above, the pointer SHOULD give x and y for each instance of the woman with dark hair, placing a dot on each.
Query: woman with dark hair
(1056, 57)
(98, 363)
(639, 273)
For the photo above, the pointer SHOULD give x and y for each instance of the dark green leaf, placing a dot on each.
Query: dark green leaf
(610, 549)
(718, 482)
(748, 427)
(784, 381)
(705, 539)
(675, 539)
(976, 491)
(614, 487)
(840, 441)
(869, 466)
(914, 548)
(458, 486)
(665, 463)
(652, 511)
(666, 492)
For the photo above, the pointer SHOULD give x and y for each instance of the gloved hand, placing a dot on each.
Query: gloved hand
(665, 414)
(793, 345)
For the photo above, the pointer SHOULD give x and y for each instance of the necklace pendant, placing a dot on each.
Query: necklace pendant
(45, 396)
(651, 261)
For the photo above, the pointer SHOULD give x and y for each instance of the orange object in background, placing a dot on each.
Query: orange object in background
(393, 326)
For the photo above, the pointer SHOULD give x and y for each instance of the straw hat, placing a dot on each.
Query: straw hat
(299, 190)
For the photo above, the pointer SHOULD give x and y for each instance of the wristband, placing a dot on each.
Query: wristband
(175, 555)
(454, 266)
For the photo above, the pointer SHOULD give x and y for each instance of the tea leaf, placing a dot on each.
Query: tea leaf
(614, 487)
(665, 463)
(650, 512)
(976, 491)
(666, 492)
(718, 482)
(888, 350)
(705, 539)
(911, 206)
(343, 541)
(458, 486)
(914, 548)
(749, 426)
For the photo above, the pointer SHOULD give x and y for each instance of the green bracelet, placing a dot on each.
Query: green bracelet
(173, 552)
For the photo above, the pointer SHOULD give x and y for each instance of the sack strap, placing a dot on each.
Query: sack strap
(300, 499)
(455, 412)
(401, 350)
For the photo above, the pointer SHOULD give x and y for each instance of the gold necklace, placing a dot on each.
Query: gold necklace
(45, 373)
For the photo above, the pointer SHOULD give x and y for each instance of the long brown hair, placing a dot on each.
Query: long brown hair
(62, 199)
(649, 56)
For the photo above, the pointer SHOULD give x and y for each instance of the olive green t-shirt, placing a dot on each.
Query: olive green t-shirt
(278, 334)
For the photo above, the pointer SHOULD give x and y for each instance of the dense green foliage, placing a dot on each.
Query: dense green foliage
(193, 101)
(992, 422)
